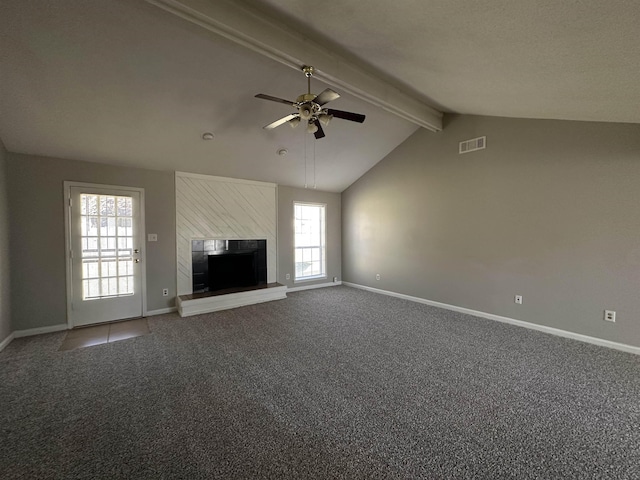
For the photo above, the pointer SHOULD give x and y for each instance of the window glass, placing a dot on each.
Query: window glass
(309, 241)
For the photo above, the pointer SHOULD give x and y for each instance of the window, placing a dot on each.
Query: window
(309, 241)
(107, 245)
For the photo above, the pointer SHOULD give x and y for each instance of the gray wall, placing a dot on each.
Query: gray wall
(550, 210)
(286, 197)
(38, 273)
(5, 304)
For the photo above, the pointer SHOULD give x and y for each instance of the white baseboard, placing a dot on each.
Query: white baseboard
(532, 326)
(161, 311)
(316, 285)
(40, 330)
(7, 341)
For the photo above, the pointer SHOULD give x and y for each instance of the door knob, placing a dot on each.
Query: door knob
(137, 260)
(137, 250)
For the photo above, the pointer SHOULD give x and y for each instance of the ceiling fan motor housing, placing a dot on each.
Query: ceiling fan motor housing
(306, 97)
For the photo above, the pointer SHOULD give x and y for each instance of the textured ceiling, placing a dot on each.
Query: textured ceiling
(573, 60)
(124, 82)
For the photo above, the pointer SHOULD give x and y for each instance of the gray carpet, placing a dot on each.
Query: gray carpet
(330, 383)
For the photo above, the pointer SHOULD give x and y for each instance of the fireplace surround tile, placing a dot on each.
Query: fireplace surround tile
(212, 208)
(197, 245)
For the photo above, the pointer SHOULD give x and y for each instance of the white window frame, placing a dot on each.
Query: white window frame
(322, 244)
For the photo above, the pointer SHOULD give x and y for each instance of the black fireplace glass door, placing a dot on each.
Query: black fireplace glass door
(232, 269)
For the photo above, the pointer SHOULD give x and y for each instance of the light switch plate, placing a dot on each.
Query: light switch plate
(152, 237)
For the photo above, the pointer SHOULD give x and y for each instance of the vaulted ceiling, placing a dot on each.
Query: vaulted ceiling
(137, 83)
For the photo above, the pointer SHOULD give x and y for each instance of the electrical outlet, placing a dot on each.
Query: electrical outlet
(610, 315)
(165, 292)
(335, 279)
(518, 299)
(288, 276)
(377, 276)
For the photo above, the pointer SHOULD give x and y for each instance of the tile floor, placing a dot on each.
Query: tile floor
(110, 332)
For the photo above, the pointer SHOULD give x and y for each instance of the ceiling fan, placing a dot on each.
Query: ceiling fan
(311, 109)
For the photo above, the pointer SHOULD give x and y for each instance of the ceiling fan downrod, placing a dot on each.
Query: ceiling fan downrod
(308, 72)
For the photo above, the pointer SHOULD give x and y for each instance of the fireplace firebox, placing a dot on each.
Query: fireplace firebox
(224, 264)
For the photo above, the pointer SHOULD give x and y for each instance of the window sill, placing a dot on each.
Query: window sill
(309, 279)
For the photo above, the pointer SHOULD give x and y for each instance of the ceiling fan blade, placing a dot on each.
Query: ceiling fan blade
(275, 99)
(327, 96)
(277, 123)
(318, 133)
(354, 117)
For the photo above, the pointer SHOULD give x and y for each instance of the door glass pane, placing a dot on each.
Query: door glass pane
(107, 245)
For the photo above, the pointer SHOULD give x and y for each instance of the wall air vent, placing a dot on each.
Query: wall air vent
(473, 145)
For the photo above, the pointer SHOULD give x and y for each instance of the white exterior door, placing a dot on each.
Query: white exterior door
(105, 260)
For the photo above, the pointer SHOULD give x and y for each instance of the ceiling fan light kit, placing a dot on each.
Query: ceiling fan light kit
(311, 108)
(294, 122)
(325, 118)
(305, 111)
(312, 127)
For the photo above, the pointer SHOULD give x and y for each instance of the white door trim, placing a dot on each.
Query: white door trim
(67, 239)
